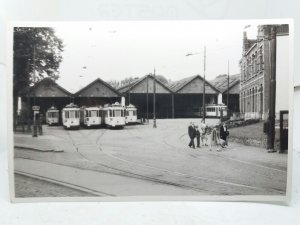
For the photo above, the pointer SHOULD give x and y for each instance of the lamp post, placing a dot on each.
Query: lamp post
(228, 87)
(154, 99)
(204, 67)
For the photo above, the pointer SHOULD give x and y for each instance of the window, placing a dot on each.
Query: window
(52, 114)
(117, 113)
(93, 113)
(66, 114)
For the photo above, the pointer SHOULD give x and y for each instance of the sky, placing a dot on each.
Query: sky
(116, 50)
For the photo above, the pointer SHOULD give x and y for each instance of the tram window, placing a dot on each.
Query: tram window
(71, 114)
(76, 114)
(118, 113)
(93, 113)
(131, 113)
(66, 114)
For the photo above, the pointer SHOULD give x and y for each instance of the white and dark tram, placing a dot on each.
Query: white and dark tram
(52, 116)
(130, 114)
(215, 111)
(114, 115)
(91, 116)
(70, 116)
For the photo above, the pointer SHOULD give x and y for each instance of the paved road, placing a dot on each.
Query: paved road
(143, 156)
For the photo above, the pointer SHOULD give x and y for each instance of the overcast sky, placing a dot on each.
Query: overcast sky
(115, 50)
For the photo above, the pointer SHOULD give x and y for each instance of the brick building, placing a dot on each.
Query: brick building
(256, 69)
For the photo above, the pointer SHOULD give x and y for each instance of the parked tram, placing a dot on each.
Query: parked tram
(130, 114)
(215, 111)
(70, 116)
(91, 116)
(114, 115)
(52, 116)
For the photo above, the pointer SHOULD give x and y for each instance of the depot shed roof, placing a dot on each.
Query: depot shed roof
(48, 88)
(144, 84)
(193, 85)
(221, 83)
(97, 88)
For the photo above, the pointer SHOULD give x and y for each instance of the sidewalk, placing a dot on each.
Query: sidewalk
(102, 184)
(45, 143)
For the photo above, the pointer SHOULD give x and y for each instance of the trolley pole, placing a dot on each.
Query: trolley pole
(204, 110)
(154, 90)
(271, 133)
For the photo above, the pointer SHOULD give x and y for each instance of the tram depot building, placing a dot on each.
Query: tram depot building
(183, 99)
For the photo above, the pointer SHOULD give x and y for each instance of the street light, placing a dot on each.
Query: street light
(154, 98)
(204, 65)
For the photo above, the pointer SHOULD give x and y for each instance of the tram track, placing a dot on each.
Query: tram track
(229, 158)
(128, 173)
(181, 175)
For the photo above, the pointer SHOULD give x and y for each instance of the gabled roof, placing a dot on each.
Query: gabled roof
(98, 80)
(180, 84)
(47, 82)
(133, 84)
(129, 86)
(220, 82)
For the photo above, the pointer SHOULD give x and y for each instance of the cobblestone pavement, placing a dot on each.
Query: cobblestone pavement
(31, 187)
(162, 156)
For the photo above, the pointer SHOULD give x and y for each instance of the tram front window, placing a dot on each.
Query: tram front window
(73, 114)
(93, 113)
(117, 113)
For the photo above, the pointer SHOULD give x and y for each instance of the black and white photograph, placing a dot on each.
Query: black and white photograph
(151, 110)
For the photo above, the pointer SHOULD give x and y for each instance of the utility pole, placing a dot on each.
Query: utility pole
(204, 110)
(272, 99)
(147, 99)
(228, 87)
(34, 108)
(154, 98)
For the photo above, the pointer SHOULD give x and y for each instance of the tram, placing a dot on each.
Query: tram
(91, 116)
(114, 115)
(52, 116)
(215, 111)
(70, 116)
(130, 114)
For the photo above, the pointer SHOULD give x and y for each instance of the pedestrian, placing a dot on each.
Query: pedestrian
(223, 135)
(197, 136)
(203, 129)
(214, 139)
(192, 134)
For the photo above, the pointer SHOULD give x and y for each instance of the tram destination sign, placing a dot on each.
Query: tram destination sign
(35, 108)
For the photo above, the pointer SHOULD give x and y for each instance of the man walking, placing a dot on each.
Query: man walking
(197, 136)
(223, 135)
(192, 134)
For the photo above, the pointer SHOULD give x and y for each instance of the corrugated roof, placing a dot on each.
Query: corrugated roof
(220, 82)
(178, 85)
(130, 86)
(95, 81)
(48, 81)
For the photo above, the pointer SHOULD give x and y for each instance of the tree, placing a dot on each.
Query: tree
(37, 50)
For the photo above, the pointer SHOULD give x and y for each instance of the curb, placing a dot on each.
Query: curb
(37, 148)
(68, 185)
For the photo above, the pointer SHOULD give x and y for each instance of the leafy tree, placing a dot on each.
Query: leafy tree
(36, 50)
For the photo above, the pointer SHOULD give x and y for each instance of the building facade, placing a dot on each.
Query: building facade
(256, 72)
